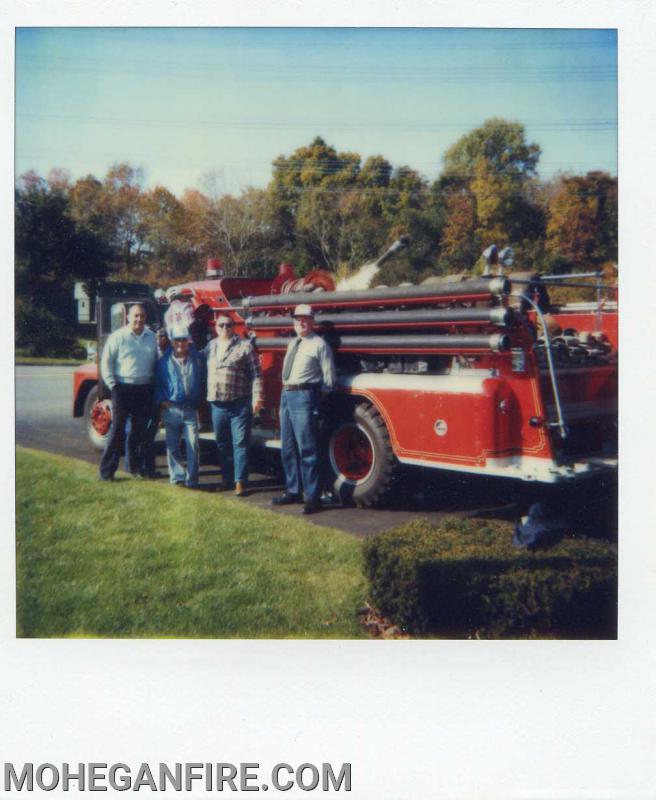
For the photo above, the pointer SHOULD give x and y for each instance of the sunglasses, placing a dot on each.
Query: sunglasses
(225, 325)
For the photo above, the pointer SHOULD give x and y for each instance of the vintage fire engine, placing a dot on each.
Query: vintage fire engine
(478, 375)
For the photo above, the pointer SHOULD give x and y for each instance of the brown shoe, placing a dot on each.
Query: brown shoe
(240, 490)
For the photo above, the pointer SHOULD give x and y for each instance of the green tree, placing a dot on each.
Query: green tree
(500, 144)
(375, 173)
(337, 230)
(315, 167)
(409, 210)
(373, 187)
(52, 250)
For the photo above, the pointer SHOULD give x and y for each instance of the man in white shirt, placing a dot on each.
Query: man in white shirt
(146, 467)
(308, 372)
(127, 366)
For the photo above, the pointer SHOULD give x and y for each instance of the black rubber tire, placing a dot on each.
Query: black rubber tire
(97, 441)
(371, 489)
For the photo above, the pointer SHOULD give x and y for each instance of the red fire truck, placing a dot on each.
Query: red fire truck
(480, 375)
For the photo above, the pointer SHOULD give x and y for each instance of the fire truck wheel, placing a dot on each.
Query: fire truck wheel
(360, 457)
(98, 419)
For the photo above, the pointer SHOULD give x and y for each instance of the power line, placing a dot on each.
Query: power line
(490, 72)
(368, 38)
(293, 64)
(562, 125)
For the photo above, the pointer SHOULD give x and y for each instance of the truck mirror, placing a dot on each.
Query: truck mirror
(118, 316)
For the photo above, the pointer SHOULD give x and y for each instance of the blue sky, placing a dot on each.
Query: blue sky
(184, 102)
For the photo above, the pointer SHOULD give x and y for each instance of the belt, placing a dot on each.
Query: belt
(243, 398)
(301, 387)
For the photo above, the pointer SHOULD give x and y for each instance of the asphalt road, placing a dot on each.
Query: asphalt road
(44, 421)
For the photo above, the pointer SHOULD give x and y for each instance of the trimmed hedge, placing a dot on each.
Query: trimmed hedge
(464, 578)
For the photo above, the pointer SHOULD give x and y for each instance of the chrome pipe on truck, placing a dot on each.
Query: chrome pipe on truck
(400, 244)
(479, 289)
(502, 317)
(496, 343)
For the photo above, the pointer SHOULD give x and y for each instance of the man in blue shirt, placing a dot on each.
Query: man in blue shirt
(179, 390)
(127, 366)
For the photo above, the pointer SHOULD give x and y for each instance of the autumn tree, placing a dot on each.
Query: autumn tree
(90, 207)
(172, 254)
(240, 230)
(321, 208)
(488, 181)
(461, 244)
(124, 208)
(582, 223)
(197, 230)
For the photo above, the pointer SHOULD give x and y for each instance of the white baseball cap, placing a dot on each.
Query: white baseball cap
(303, 310)
(179, 332)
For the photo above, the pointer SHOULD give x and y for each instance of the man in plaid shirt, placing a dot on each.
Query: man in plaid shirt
(235, 392)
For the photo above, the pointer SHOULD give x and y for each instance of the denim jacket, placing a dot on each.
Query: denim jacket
(168, 381)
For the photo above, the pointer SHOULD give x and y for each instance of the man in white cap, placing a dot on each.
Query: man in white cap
(308, 372)
(179, 390)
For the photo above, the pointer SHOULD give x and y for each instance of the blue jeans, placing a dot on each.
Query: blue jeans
(182, 421)
(299, 433)
(231, 421)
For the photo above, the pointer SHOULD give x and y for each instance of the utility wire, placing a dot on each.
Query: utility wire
(544, 125)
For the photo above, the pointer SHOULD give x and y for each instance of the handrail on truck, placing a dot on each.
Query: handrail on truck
(552, 372)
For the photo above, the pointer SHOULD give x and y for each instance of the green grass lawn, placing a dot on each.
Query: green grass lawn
(139, 559)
